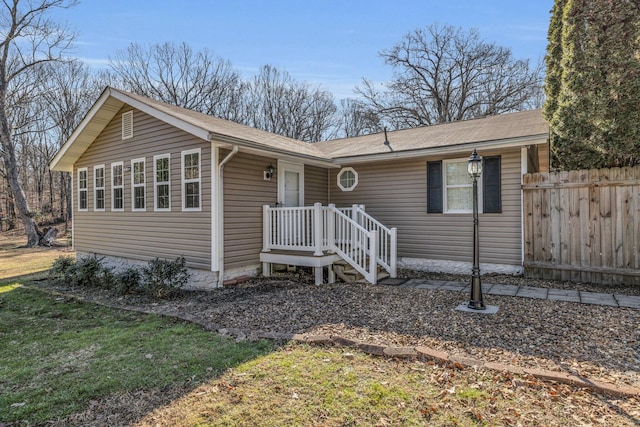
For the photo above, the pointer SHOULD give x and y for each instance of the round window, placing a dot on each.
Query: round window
(347, 179)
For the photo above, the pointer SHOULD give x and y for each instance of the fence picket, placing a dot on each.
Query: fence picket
(595, 258)
(585, 239)
(583, 225)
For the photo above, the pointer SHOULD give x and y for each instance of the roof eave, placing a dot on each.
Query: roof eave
(256, 148)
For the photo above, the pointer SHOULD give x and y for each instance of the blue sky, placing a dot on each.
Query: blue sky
(329, 43)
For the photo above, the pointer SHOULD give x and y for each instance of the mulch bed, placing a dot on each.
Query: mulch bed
(576, 339)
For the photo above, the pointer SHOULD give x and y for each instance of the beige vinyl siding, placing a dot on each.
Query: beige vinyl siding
(315, 185)
(145, 235)
(245, 192)
(394, 192)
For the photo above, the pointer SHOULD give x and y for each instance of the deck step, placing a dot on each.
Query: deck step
(381, 275)
(346, 273)
(350, 275)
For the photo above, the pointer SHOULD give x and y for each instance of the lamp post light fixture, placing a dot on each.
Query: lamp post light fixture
(474, 167)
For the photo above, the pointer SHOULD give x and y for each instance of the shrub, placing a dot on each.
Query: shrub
(159, 279)
(163, 279)
(128, 281)
(63, 268)
(106, 278)
(89, 271)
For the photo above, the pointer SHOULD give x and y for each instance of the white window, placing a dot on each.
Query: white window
(161, 181)
(117, 187)
(83, 195)
(347, 179)
(127, 125)
(138, 185)
(191, 188)
(458, 187)
(98, 188)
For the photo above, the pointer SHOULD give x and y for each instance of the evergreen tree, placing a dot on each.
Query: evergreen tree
(593, 83)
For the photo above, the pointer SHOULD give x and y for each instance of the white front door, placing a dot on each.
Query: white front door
(290, 184)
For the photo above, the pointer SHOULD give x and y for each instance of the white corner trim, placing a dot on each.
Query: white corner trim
(216, 201)
(524, 169)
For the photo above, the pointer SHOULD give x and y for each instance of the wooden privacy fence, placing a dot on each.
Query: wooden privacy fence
(583, 226)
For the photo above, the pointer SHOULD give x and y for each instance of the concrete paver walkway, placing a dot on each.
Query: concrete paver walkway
(613, 300)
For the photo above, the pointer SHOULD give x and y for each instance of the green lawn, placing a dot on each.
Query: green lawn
(57, 354)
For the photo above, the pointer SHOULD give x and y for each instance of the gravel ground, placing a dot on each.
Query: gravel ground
(593, 341)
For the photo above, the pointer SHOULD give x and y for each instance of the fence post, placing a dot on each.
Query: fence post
(393, 257)
(266, 229)
(373, 257)
(317, 228)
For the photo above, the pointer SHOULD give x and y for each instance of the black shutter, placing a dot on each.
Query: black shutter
(492, 200)
(434, 187)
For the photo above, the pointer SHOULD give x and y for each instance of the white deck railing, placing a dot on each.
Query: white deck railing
(357, 237)
(387, 238)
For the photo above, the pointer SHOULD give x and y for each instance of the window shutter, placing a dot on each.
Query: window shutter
(434, 187)
(127, 125)
(492, 200)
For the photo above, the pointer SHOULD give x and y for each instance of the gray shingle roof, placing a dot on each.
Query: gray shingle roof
(493, 128)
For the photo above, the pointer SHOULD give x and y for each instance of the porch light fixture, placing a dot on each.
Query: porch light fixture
(474, 167)
(268, 173)
(127, 168)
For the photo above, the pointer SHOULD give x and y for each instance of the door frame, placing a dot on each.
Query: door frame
(284, 166)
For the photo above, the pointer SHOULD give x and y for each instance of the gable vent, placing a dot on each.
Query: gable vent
(127, 125)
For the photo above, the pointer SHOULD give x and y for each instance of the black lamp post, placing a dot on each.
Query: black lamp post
(474, 167)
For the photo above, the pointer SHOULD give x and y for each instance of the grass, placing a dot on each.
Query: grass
(17, 261)
(310, 386)
(67, 362)
(58, 354)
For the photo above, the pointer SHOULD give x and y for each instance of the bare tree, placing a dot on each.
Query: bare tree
(29, 39)
(68, 92)
(357, 118)
(175, 74)
(444, 74)
(200, 81)
(278, 104)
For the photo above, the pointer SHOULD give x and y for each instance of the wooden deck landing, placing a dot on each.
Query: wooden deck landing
(303, 259)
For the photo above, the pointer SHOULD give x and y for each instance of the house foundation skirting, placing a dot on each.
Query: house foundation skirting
(456, 267)
(198, 280)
